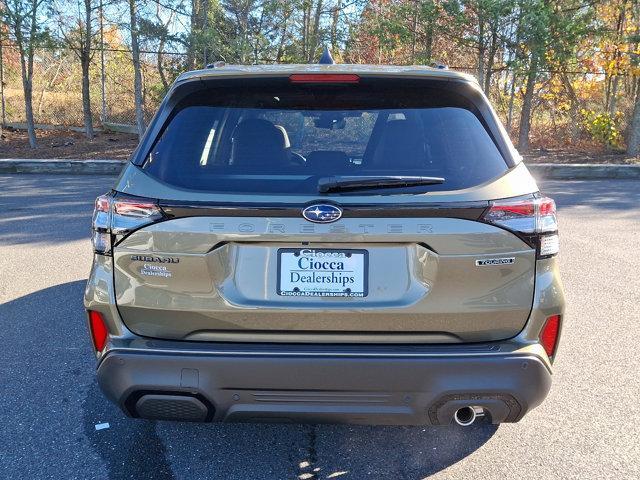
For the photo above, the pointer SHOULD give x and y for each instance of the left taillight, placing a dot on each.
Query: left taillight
(99, 331)
(101, 225)
(115, 216)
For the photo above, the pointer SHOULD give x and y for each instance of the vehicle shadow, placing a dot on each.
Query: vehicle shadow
(395, 452)
(49, 388)
(56, 208)
(614, 195)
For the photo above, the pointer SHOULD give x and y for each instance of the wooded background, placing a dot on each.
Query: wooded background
(561, 73)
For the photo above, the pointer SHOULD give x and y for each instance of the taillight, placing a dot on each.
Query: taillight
(549, 334)
(128, 214)
(99, 330)
(101, 225)
(116, 215)
(324, 78)
(532, 218)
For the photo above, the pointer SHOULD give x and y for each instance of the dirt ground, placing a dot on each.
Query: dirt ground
(118, 146)
(67, 144)
(576, 156)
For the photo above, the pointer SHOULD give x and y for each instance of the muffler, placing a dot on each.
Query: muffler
(465, 416)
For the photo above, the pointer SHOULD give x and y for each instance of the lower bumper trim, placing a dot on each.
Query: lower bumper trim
(363, 390)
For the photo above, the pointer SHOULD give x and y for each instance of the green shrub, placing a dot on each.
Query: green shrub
(602, 127)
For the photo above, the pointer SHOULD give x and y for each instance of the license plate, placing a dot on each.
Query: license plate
(322, 272)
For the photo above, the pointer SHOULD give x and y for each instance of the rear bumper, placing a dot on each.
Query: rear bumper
(359, 384)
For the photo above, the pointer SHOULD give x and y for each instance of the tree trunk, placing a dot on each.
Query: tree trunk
(315, 36)
(493, 48)
(194, 34)
(283, 35)
(85, 63)
(414, 32)
(86, 101)
(161, 44)
(481, 49)
(26, 70)
(633, 145)
(573, 109)
(512, 96)
(428, 43)
(27, 87)
(137, 74)
(160, 66)
(525, 116)
(305, 27)
(613, 95)
(607, 90)
(103, 76)
(334, 26)
(205, 27)
(256, 37)
(613, 88)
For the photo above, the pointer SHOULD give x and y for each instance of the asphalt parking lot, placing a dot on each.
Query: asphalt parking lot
(49, 401)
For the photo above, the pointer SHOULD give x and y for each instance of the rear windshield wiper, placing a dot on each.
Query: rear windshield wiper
(342, 184)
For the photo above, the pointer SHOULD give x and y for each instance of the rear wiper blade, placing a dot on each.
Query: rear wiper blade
(341, 184)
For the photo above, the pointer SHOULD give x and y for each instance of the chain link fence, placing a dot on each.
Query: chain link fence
(57, 91)
(57, 95)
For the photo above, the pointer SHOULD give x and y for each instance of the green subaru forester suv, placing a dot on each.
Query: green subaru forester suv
(325, 243)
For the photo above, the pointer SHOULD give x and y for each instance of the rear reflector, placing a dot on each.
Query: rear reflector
(324, 78)
(549, 334)
(99, 330)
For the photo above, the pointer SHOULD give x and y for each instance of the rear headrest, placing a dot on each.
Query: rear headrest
(259, 142)
(287, 143)
(402, 145)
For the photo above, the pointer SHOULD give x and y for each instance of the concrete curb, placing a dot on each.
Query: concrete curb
(549, 171)
(583, 171)
(62, 166)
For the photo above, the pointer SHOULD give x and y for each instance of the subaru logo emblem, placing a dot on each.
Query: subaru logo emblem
(322, 213)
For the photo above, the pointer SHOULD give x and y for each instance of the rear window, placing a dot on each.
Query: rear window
(283, 139)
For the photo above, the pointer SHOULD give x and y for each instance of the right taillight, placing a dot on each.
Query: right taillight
(116, 215)
(532, 218)
(549, 334)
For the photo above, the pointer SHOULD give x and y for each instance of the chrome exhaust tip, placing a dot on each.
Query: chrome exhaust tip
(465, 416)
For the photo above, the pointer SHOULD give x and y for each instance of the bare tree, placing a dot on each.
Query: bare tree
(80, 39)
(527, 104)
(85, 62)
(22, 20)
(163, 33)
(137, 71)
(314, 37)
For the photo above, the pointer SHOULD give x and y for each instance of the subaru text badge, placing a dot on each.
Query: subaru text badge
(322, 213)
